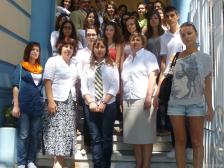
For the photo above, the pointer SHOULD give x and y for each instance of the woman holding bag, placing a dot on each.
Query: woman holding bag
(27, 107)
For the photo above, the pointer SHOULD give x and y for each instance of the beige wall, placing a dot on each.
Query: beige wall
(14, 21)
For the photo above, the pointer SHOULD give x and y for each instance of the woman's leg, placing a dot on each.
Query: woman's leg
(94, 121)
(35, 127)
(196, 131)
(59, 162)
(147, 155)
(22, 138)
(178, 124)
(138, 155)
(107, 129)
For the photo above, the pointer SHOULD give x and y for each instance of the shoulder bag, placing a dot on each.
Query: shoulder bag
(165, 87)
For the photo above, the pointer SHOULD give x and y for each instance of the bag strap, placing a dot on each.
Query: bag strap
(174, 59)
(20, 75)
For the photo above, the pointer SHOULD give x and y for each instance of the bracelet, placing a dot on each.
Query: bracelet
(103, 102)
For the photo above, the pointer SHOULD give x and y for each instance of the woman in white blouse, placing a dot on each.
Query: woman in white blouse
(100, 103)
(139, 74)
(59, 119)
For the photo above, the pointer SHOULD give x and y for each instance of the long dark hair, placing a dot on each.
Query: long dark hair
(127, 34)
(61, 34)
(149, 32)
(108, 60)
(117, 38)
(28, 49)
(96, 23)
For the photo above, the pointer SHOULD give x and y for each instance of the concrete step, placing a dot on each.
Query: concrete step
(123, 159)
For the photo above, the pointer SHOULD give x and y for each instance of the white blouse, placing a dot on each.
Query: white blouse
(63, 77)
(110, 77)
(135, 74)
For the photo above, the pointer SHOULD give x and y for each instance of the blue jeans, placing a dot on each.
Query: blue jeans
(28, 137)
(101, 133)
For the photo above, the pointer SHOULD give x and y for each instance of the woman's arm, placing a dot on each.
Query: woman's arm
(52, 106)
(208, 97)
(91, 102)
(16, 110)
(151, 88)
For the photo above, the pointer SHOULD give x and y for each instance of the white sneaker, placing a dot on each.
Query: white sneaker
(189, 154)
(21, 166)
(171, 154)
(31, 165)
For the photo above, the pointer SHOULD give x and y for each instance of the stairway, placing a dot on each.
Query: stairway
(122, 157)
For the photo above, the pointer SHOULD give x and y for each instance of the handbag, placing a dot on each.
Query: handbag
(165, 87)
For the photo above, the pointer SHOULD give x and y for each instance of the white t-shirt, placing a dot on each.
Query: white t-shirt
(171, 43)
(63, 77)
(36, 78)
(135, 74)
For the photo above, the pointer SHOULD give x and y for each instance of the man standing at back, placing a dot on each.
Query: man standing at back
(78, 16)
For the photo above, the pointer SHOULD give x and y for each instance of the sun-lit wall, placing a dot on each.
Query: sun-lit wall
(15, 29)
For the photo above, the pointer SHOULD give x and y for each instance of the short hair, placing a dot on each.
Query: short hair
(28, 49)
(171, 9)
(69, 41)
(139, 35)
(158, 1)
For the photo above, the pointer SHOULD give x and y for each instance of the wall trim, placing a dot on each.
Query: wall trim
(19, 8)
(14, 35)
(7, 63)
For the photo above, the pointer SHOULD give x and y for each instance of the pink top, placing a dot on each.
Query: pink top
(112, 53)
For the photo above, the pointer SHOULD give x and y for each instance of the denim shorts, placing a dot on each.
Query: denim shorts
(186, 110)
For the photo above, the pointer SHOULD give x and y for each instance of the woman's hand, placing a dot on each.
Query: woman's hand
(210, 114)
(101, 107)
(16, 111)
(156, 103)
(148, 101)
(93, 106)
(52, 107)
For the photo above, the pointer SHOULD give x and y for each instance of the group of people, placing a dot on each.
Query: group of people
(115, 55)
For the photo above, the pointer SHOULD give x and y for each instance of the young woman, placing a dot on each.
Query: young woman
(99, 86)
(191, 90)
(28, 105)
(154, 33)
(67, 31)
(138, 75)
(91, 20)
(60, 76)
(142, 21)
(54, 35)
(114, 40)
(111, 13)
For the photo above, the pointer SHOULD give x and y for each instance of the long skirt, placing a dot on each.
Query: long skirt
(59, 133)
